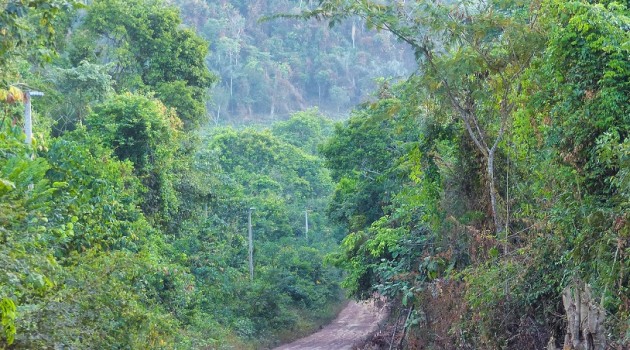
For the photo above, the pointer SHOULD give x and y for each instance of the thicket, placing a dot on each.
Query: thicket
(491, 190)
(123, 225)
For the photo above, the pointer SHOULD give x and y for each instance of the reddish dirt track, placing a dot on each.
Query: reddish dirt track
(353, 325)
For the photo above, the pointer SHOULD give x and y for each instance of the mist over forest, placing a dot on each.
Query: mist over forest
(271, 67)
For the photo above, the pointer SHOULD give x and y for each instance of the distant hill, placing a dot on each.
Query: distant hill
(272, 68)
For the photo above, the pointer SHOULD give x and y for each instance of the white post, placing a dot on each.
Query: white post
(28, 119)
(28, 122)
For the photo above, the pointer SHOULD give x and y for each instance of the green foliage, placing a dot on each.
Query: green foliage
(251, 168)
(7, 317)
(305, 130)
(145, 132)
(107, 300)
(387, 196)
(104, 216)
(588, 108)
(184, 100)
(119, 283)
(25, 199)
(559, 173)
(266, 165)
(27, 28)
(127, 233)
(76, 90)
(118, 232)
(271, 68)
(55, 211)
(589, 53)
(149, 50)
(362, 156)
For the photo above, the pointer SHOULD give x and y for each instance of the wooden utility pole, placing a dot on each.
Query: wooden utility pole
(251, 245)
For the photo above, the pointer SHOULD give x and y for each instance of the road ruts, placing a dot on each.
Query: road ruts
(353, 325)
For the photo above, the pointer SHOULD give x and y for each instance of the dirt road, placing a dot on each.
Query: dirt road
(353, 325)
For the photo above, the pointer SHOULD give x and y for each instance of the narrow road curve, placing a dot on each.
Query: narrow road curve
(353, 325)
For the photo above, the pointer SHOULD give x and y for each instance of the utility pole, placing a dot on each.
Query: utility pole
(251, 245)
(28, 120)
(306, 223)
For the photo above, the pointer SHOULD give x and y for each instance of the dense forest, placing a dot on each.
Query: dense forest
(271, 68)
(123, 223)
(486, 195)
(489, 193)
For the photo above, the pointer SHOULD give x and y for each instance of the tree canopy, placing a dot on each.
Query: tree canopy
(510, 202)
(122, 224)
(486, 194)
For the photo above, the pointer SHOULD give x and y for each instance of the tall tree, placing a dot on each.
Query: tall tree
(471, 56)
(148, 50)
(145, 132)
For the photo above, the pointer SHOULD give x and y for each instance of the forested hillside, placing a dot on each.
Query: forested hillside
(271, 68)
(486, 195)
(123, 225)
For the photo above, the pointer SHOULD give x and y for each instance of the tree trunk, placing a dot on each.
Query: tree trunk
(585, 319)
(493, 193)
(319, 92)
(272, 110)
(354, 30)
(251, 245)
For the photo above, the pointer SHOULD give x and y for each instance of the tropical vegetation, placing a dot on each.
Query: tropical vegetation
(486, 194)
